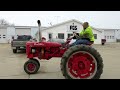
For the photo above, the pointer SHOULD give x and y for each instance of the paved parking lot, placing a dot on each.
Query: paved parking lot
(11, 65)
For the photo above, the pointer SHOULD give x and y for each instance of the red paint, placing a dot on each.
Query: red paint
(82, 64)
(47, 50)
(51, 49)
(31, 67)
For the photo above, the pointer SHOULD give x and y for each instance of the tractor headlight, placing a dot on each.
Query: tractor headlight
(33, 50)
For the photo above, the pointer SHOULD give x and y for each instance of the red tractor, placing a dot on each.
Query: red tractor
(77, 62)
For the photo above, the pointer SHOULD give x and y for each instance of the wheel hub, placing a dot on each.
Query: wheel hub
(81, 65)
(31, 67)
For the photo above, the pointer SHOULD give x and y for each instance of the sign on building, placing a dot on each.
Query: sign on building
(73, 27)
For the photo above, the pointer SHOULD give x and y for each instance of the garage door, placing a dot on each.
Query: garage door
(3, 36)
(23, 31)
(3, 39)
(110, 38)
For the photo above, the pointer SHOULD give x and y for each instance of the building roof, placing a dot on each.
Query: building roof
(110, 29)
(67, 22)
(27, 27)
(3, 26)
(62, 23)
(107, 29)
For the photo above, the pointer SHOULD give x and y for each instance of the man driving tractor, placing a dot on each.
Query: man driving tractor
(86, 35)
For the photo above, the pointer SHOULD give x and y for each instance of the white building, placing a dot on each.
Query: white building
(6, 32)
(117, 35)
(111, 35)
(3, 34)
(17, 30)
(64, 30)
(21, 30)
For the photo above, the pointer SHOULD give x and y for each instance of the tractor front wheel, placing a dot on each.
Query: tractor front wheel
(36, 61)
(31, 66)
(81, 62)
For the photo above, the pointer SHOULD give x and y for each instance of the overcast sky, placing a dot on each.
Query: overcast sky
(98, 19)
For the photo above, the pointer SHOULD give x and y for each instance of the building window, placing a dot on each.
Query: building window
(69, 35)
(112, 37)
(95, 36)
(3, 37)
(75, 36)
(61, 35)
(12, 37)
(107, 37)
(50, 35)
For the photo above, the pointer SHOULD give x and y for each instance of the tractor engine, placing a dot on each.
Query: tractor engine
(44, 50)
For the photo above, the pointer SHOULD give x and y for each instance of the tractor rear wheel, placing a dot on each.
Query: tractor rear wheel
(31, 66)
(81, 62)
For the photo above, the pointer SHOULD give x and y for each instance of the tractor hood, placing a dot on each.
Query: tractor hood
(43, 44)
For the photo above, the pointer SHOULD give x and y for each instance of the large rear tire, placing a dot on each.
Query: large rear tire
(81, 62)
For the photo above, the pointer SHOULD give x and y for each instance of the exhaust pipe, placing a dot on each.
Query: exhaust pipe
(39, 31)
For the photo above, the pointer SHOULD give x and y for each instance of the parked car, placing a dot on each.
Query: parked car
(103, 41)
(20, 42)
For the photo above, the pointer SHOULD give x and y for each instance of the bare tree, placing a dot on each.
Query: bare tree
(3, 22)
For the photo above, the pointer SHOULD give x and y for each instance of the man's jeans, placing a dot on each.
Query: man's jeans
(80, 41)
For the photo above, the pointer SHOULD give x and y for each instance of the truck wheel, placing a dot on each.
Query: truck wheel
(81, 62)
(102, 43)
(14, 50)
(31, 67)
